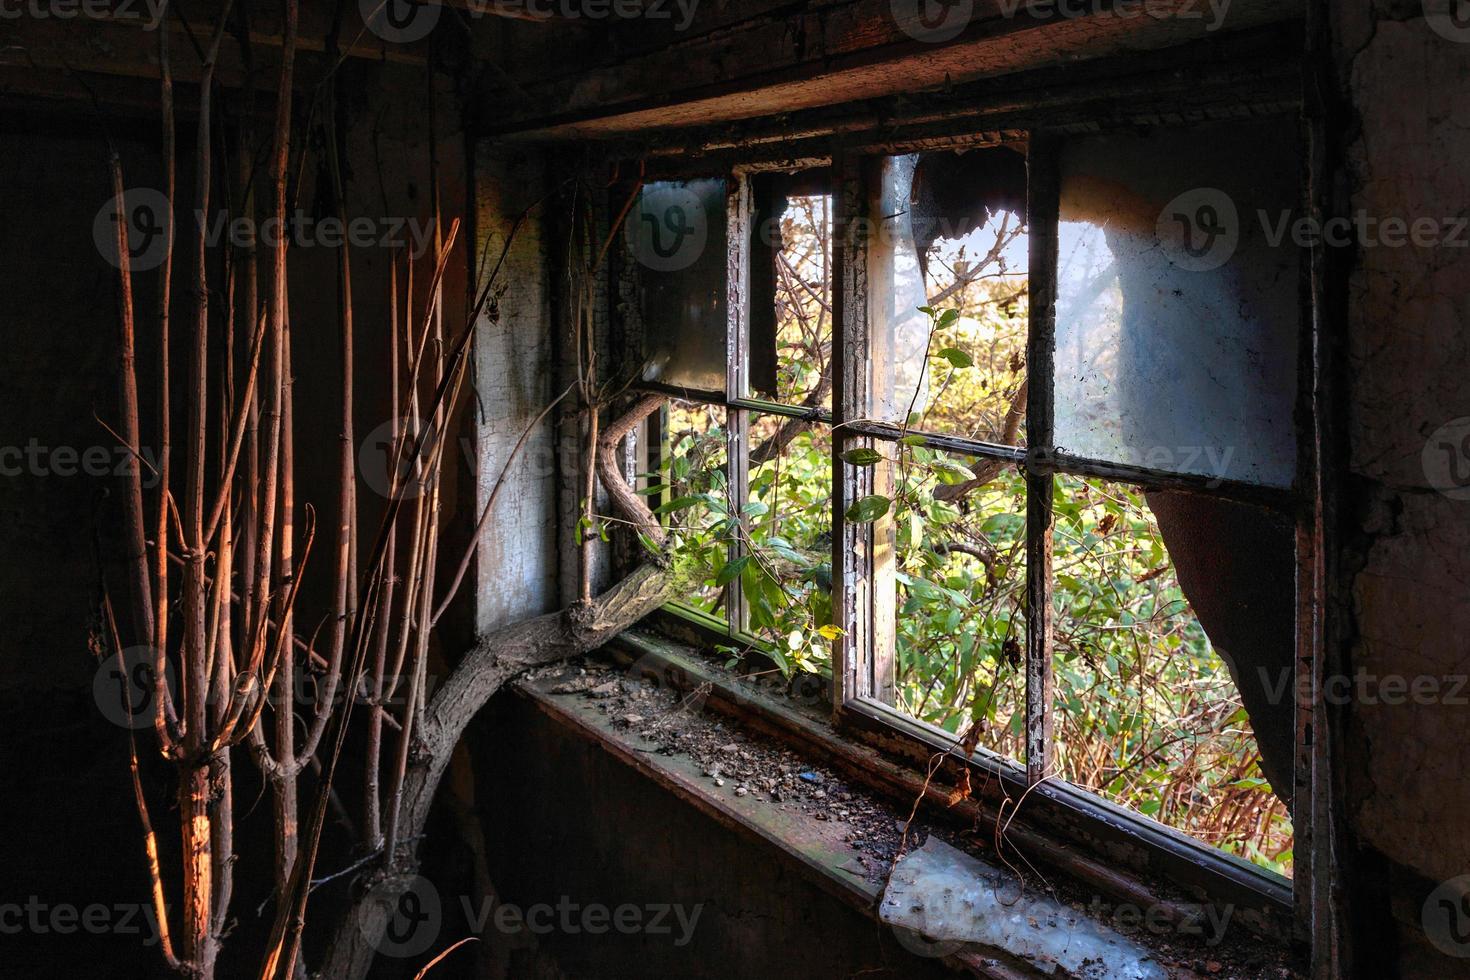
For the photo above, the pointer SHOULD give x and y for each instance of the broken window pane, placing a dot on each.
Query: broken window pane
(676, 236)
(788, 516)
(950, 239)
(1177, 317)
(696, 481)
(1146, 711)
(791, 289)
(950, 558)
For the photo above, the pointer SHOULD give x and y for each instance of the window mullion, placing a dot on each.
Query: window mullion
(851, 542)
(737, 452)
(1043, 204)
(737, 440)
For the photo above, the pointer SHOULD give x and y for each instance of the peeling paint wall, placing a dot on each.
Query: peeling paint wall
(513, 373)
(1404, 77)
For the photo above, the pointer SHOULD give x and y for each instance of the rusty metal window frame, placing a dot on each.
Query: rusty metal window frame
(739, 406)
(858, 670)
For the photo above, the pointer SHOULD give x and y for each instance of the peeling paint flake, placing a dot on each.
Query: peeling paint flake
(948, 897)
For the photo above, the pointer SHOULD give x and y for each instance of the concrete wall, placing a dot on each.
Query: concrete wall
(1406, 568)
(514, 382)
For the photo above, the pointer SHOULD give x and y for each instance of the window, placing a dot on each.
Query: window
(1008, 425)
(757, 516)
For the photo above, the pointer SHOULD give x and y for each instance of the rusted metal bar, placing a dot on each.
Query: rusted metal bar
(1042, 205)
(852, 544)
(1324, 872)
(737, 345)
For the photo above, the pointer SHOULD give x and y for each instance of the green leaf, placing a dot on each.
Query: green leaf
(862, 456)
(757, 598)
(792, 555)
(951, 472)
(912, 441)
(956, 357)
(820, 605)
(948, 317)
(775, 654)
(868, 509)
(678, 503)
(732, 569)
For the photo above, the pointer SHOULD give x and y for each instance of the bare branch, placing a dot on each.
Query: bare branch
(627, 503)
(150, 839)
(140, 589)
(991, 468)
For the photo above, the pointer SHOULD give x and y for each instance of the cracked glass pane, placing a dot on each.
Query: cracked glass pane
(947, 285)
(1177, 301)
(676, 236)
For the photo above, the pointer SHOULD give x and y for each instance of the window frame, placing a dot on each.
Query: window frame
(1068, 812)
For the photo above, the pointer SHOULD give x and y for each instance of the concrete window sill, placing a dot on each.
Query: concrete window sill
(812, 812)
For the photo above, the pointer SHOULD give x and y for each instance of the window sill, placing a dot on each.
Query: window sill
(1077, 833)
(819, 843)
(817, 849)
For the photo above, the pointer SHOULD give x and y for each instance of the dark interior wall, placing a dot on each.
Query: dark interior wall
(569, 823)
(60, 320)
(59, 328)
(1405, 520)
(516, 362)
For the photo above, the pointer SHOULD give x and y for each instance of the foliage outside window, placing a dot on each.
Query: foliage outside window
(1145, 711)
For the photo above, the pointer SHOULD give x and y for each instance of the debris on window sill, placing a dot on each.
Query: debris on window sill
(839, 830)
